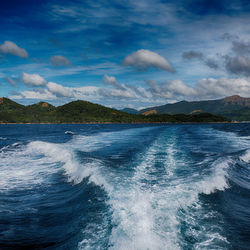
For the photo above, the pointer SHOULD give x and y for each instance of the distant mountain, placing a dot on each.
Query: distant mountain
(84, 112)
(233, 107)
(130, 111)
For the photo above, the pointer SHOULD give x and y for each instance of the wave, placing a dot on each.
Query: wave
(69, 132)
(21, 168)
(246, 156)
(38, 160)
(3, 138)
(217, 181)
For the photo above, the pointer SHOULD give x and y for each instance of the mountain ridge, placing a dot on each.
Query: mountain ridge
(231, 107)
(86, 112)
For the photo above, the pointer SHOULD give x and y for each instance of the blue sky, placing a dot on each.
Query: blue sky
(124, 53)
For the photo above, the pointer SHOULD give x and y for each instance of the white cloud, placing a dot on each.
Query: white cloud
(59, 90)
(60, 60)
(33, 79)
(111, 80)
(212, 88)
(177, 87)
(204, 89)
(77, 93)
(9, 47)
(117, 93)
(144, 59)
(86, 92)
(35, 94)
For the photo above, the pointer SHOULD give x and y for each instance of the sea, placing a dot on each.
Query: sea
(125, 186)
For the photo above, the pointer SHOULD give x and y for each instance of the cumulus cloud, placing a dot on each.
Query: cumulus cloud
(59, 90)
(42, 94)
(117, 93)
(177, 87)
(239, 65)
(60, 60)
(33, 79)
(9, 47)
(55, 90)
(212, 88)
(71, 92)
(144, 59)
(170, 89)
(123, 91)
(111, 80)
(204, 89)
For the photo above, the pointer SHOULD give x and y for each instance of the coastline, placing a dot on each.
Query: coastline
(94, 123)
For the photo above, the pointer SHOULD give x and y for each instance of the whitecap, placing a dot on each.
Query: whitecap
(246, 156)
(69, 132)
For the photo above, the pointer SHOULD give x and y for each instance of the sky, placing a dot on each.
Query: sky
(121, 53)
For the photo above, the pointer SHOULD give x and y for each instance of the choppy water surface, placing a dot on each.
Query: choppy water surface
(125, 186)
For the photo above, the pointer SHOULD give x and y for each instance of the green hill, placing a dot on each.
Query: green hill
(82, 111)
(233, 107)
(73, 112)
(86, 112)
(9, 110)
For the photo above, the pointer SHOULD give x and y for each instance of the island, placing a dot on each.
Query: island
(86, 112)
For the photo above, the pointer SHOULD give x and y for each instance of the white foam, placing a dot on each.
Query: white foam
(145, 207)
(142, 213)
(3, 138)
(218, 178)
(25, 165)
(75, 171)
(21, 170)
(147, 216)
(69, 132)
(246, 156)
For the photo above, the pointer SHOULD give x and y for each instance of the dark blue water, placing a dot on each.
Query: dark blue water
(125, 186)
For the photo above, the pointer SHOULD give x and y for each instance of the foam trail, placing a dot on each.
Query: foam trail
(147, 215)
(136, 211)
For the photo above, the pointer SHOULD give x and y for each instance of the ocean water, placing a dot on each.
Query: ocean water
(125, 186)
